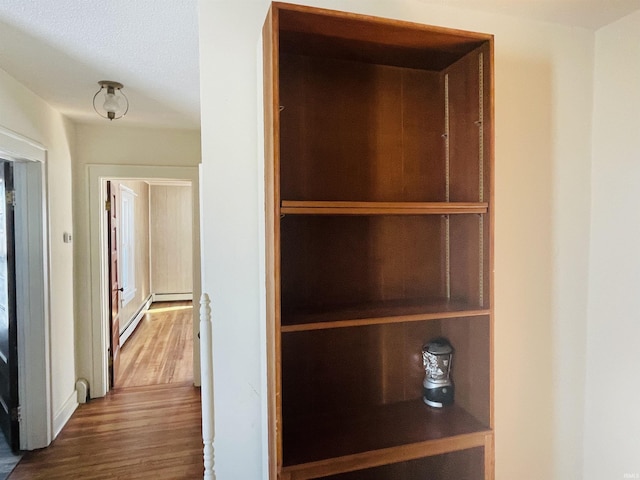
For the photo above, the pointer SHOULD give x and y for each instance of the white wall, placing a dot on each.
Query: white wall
(543, 98)
(28, 115)
(232, 274)
(612, 442)
(107, 144)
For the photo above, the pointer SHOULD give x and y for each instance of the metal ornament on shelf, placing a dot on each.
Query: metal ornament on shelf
(116, 103)
(437, 357)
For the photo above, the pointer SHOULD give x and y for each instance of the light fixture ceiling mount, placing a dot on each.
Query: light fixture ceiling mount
(116, 103)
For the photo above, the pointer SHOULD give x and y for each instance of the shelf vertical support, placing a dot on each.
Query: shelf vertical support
(489, 457)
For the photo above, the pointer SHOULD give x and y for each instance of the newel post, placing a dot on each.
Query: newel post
(206, 367)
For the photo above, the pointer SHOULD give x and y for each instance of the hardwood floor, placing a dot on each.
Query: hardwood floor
(161, 349)
(147, 431)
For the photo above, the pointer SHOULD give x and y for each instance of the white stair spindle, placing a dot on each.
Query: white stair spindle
(206, 366)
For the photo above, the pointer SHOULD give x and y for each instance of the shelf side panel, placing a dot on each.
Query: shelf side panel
(471, 362)
(465, 125)
(468, 281)
(272, 235)
(488, 170)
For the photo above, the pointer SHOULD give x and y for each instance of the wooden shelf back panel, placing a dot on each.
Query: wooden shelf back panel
(396, 425)
(329, 371)
(325, 371)
(336, 260)
(329, 261)
(372, 40)
(462, 465)
(360, 132)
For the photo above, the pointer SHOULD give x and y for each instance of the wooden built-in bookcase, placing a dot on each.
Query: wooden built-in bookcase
(378, 166)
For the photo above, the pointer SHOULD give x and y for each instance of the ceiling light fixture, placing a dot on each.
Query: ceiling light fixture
(116, 103)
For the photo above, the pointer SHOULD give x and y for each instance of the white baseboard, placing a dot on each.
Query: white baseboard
(172, 297)
(133, 324)
(63, 415)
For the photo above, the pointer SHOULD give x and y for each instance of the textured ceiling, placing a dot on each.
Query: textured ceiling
(60, 49)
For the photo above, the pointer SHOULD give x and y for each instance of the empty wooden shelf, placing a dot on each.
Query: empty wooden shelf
(379, 238)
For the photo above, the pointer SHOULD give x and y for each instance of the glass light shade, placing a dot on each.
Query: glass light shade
(115, 105)
(111, 103)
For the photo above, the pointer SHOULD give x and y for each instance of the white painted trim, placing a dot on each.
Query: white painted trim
(64, 414)
(124, 188)
(96, 175)
(32, 287)
(168, 183)
(172, 297)
(14, 146)
(133, 324)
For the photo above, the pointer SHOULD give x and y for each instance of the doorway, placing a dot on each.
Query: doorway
(100, 287)
(148, 246)
(32, 286)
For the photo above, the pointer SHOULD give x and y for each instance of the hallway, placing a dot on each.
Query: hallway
(147, 428)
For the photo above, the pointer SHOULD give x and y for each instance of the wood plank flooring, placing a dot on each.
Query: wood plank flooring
(150, 431)
(161, 349)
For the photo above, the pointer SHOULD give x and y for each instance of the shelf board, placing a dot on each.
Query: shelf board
(331, 444)
(291, 207)
(377, 313)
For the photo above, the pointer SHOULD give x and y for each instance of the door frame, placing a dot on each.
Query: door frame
(32, 287)
(98, 174)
